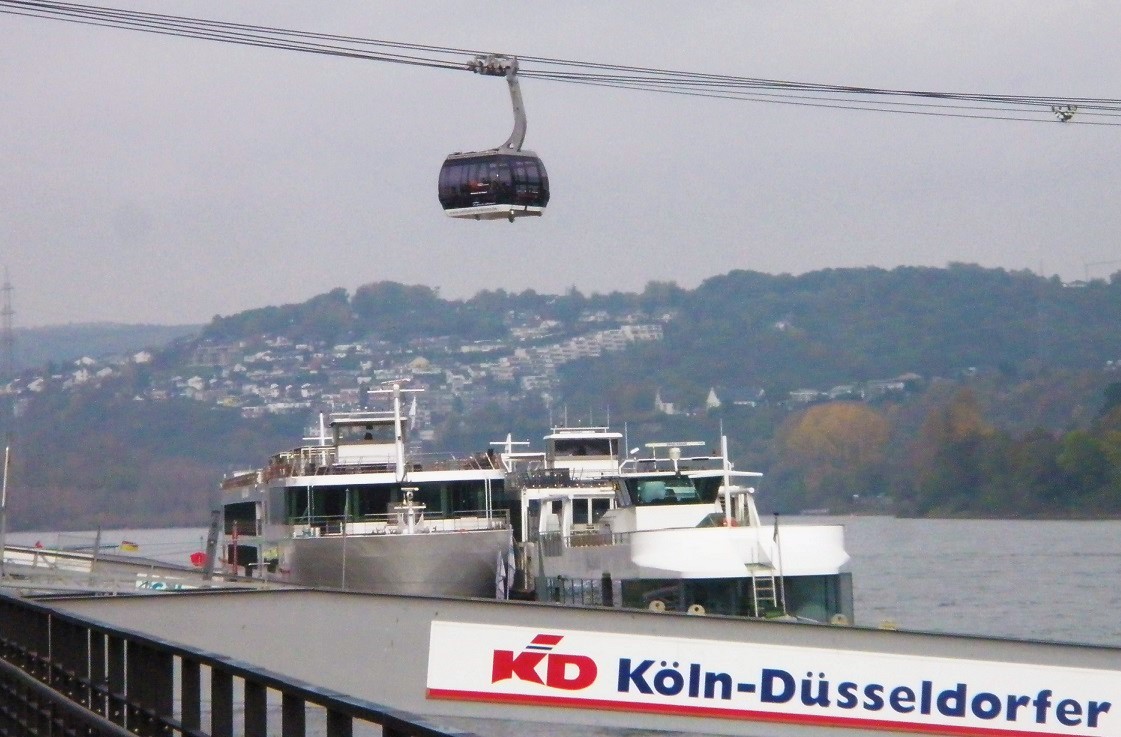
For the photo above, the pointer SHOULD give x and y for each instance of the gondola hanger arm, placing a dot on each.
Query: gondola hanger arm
(497, 65)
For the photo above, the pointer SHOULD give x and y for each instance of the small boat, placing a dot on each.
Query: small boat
(674, 532)
(354, 508)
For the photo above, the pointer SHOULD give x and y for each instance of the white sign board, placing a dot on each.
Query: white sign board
(768, 683)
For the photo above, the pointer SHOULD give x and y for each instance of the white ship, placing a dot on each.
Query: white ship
(669, 532)
(353, 509)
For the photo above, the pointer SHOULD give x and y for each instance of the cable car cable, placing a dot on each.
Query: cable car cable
(842, 106)
(595, 74)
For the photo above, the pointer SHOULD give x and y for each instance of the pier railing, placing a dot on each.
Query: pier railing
(63, 674)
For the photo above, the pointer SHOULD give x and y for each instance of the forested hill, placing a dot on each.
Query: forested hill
(751, 328)
(961, 390)
(838, 326)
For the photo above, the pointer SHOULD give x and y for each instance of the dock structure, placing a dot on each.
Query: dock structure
(32, 571)
(455, 661)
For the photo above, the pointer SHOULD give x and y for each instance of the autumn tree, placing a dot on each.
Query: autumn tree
(837, 450)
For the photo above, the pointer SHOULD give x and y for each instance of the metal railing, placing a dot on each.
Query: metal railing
(553, 544)
(581, 591)
(63, 674)
(462, 520)
(320, 460)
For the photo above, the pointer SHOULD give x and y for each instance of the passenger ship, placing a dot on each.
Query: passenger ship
(670, 531)
(353, 509)
(575, 523)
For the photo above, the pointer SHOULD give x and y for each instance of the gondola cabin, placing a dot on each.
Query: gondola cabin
(495, 184)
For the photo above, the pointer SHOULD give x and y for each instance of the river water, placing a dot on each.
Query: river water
(1040, 580)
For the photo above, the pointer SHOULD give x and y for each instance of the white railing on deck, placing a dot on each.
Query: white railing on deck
(393, 524)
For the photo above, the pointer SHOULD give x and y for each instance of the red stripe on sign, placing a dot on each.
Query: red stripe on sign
(547, 639)
(447, 694)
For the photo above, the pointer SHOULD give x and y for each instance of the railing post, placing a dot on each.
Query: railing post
(39, 645)
(190, 693)
(70, 653)
(256, 710)
(99, 677)
(162, 666)
(221, 703)
(116, 663)
(339, 725)
(293, 716)
(139, 687)
(150, 683)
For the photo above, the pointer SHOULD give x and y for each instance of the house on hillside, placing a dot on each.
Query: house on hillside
(661, 406)
(804, 396)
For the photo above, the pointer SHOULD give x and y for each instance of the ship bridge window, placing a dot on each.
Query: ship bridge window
(369, 433)
(665, 490)
(593, 447)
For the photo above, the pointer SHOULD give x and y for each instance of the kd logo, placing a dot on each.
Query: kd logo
(567, 672)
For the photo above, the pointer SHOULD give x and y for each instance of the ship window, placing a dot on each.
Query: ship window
(369, 433)
(708, 488)
(584, 447)
(243, 515)
(815, 597)
(664, 490)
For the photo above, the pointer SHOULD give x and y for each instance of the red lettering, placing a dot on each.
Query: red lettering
(559, 675)
(506, 665)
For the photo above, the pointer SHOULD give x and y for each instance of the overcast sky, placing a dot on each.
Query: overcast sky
(149, 179)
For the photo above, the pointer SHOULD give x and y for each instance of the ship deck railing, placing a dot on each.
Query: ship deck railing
(556, 478)
(396, 523)
(315, 460)
(668, 465)
(553, 543)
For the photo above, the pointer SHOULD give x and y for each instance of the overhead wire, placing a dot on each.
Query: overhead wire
(1070, 110)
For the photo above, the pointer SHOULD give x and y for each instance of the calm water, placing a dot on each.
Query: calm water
(1023, 579)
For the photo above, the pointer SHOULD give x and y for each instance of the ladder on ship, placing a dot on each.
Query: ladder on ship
(765, 592)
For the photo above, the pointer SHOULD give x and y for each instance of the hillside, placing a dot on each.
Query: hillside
(853, 388)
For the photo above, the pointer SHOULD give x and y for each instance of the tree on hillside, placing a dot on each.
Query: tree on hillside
(838, 450)
(952, 456)
(1112, 399)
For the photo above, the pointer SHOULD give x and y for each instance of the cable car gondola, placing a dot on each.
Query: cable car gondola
(504, 182)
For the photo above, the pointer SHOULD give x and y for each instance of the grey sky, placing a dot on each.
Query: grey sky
(152, 179)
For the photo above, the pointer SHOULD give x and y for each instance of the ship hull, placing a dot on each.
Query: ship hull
(423, 564)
